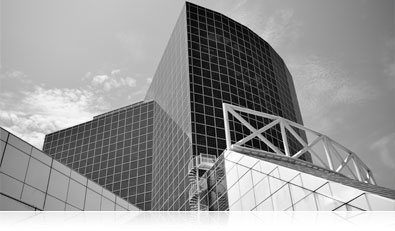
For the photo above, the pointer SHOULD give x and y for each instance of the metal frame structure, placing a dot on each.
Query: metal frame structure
(332, 149)
(198, 184)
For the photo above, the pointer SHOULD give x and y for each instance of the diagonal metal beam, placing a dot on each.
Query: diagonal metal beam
(248, 125)
(252, 135)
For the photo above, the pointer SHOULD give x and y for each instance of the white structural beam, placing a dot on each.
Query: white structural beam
(358, 170)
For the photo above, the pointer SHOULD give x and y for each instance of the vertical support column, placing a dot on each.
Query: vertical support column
(327, 152)
(357, 169)
(226, 124)
(284, 137)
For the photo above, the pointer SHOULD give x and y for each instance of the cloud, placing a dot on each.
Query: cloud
(385, 147)
(114, 81)
(41, 111)
(324, 88)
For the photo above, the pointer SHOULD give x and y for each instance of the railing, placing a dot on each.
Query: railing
(337, 157)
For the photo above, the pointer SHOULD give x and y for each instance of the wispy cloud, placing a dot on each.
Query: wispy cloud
(324, 87)
(113, 81)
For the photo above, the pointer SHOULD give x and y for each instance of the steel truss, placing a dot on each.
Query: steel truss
(331, 149)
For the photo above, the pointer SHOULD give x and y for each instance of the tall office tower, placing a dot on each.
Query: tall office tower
(114, 150)
(210, 59)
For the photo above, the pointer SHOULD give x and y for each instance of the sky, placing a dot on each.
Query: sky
(62, 62)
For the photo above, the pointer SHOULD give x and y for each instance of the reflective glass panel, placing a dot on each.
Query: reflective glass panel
(232, 177)
(76, 194)
(245, 183)
(14, 163)
(282, 199)
(3, 134)
(262, 190)
(287, 174)
(61, 168)
(306, 204)
(379, 203)
(2, 147)
(267, 205)
(58, 185)
(275, 184)
(234, 193)
(71, 208)
(339, 192)
(325, 203)
(79, 178)
(33, 196)
(308, 181)
(298, 193)
(248, 201)
(248, 161)
(37, 174)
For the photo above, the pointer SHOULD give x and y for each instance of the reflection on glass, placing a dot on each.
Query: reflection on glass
(325, 203)
(14, 163)
(37, 174)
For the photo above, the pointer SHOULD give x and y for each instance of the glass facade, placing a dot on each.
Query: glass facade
(114, 150)
(254, 184)
(228, 63)
(31, 180)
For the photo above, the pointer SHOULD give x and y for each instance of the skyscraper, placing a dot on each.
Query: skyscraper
(141, 152)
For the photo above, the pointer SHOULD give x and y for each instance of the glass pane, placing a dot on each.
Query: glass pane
(92, 202)
(58, 185)
(325, 203)
(282, 199)
(76, 194)
(10, 186)
(339, 192)
(18, 143)
(297, 193)
(241, 170)
(232, 177)
(107, 205)
(14, 163)
(308, 181)
(264, 167)
(37, 174)
(8, 204)
(245, 183)
(228, 165)
(53, 204)
(267, 205)
(306, 204)
(41, 157)
(287, 174)
(262, 190)
(248, 201)
(33, 196)
(248, 162)
(119, 208)
(234, 194)
(275, 184)
(236, 206)
(234, 157)
(379, 203)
